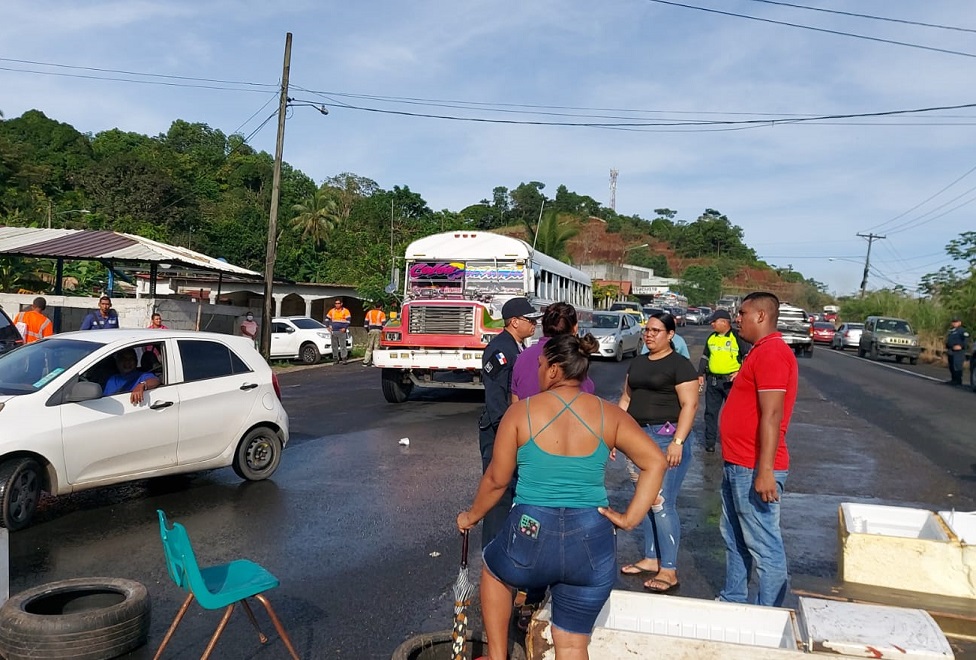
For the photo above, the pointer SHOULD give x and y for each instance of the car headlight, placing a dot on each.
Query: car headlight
(324, 335)
(607, 339)
(914, 342)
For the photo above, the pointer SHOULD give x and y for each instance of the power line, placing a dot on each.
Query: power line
(868, 16)
(816, 29)
(134, 73)
(926, 200)
(131, 80)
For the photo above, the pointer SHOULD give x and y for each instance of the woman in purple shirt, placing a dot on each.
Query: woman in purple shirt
(558, 319)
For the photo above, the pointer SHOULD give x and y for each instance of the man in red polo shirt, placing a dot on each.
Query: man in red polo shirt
(752, 429)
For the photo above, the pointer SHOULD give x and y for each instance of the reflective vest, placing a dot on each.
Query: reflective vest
(339, 318)
(723, 354)
(33, 325)
(375, 319)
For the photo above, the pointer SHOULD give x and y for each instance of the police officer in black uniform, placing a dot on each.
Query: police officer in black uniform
(496, 373)
(717, 368)
(956, 343)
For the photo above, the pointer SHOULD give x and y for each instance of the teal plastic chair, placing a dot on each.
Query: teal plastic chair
(216, 587)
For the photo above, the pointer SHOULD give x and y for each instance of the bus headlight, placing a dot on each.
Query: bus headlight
(393, 336)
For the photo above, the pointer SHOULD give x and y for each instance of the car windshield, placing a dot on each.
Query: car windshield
(606, 321)
(823, 326)
(29, 368)
(307, 324)
(895, 325)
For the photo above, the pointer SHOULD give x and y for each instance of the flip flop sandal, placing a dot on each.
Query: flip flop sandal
(634, 569)
(668, 586)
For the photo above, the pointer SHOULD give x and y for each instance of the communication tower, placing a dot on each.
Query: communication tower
(613, 189)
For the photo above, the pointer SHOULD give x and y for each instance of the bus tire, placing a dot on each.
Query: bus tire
(394, 389)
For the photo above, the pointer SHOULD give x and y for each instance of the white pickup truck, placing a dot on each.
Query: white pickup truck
(794, 324)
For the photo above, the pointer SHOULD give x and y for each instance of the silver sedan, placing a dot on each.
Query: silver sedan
(847, 336)
(619, 334)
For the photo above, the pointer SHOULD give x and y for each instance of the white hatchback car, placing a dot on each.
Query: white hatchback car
(217, 404)
(301, 338)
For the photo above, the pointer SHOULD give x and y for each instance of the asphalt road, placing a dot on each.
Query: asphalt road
(360, 529)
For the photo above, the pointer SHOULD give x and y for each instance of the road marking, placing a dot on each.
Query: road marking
(888, 366)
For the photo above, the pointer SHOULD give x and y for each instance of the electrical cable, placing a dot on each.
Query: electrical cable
(868, 16)
(131, 80)
(924, 201)
(816, 29)
(135, 73)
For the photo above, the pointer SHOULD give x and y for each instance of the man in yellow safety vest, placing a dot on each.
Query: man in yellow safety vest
(717, 368)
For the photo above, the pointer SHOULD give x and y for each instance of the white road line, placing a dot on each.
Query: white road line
(888, 366)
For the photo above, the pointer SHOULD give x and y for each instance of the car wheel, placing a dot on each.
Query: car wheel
(82, 618)
(20, 491)
(619, 355)
(309, 353)
(873, 354)
(899, 359)
(972, 374)
(258, 454)
(913, 361)
(394, 389)
(860, 351)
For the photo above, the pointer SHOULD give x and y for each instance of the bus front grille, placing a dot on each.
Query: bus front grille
(441, 320)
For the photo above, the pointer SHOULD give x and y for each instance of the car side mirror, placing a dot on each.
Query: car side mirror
(83, 391)
(290, 330)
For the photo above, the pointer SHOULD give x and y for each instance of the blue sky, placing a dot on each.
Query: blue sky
(800, 191)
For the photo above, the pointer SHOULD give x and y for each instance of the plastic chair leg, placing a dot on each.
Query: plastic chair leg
(277, 624)
(172, 627)
(218, 632)
(250, 615)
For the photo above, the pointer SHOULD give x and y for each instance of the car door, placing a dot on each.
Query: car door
(631, 336)
(283, 340)
(111, 439)
(217, 393)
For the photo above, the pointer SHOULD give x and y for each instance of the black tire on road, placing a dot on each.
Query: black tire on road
(619, 355)
(394, 389)
(808, 351)
(860, 351)
(20, 491)
(81, 619)
(899, 359)
(309, 353)
(873, 352)
(912, 360)
(258, 454)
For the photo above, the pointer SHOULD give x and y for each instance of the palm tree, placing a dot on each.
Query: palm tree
(553, 233)
(315, 217)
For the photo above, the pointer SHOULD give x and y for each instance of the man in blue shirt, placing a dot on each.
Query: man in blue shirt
(129, 379)
(104, 318)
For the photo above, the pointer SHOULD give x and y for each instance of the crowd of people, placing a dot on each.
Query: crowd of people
(547, 523)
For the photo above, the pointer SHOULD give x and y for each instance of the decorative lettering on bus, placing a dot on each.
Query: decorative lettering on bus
(437, 272)
(493, 273)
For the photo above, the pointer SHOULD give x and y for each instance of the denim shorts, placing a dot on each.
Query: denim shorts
(572, 552)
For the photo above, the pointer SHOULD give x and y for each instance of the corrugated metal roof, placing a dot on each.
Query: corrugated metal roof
(107, 245)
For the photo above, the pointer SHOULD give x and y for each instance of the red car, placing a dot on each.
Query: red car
(823, 332)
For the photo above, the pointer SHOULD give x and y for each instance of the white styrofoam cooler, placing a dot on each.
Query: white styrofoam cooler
(650, 625)
(904, 548)
(962, 524)
(870, 631)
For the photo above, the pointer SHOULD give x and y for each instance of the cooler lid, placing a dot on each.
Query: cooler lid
(872, 631)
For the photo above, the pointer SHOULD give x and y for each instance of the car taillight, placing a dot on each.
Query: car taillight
(276, 386)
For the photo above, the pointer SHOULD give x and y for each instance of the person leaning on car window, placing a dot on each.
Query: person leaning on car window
(129, 378)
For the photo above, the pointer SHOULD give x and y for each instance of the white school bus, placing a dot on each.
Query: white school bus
(454, 286)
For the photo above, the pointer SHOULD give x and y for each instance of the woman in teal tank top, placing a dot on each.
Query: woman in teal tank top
(560, 534)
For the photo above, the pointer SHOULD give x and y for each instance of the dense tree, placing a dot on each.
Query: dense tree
(316, 217)
(702, 285)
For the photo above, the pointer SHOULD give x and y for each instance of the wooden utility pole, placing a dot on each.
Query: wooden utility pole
(269, 262)
(867, 260)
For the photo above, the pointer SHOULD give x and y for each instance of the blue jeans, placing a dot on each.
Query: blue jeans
(572, 552)
(662, 529)
(750, 528)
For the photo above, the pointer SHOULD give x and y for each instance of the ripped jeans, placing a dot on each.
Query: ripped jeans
(662, 529)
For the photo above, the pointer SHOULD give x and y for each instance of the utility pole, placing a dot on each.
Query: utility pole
(867, 260)
(613, 189)
(269, 261)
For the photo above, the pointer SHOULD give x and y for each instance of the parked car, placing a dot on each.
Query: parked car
(632, 308)
(847, 336)
(218, 405)
(9, 336)
(693, 316)
(301, 338)
(618, 334)
(823, 332)
(885, 336)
